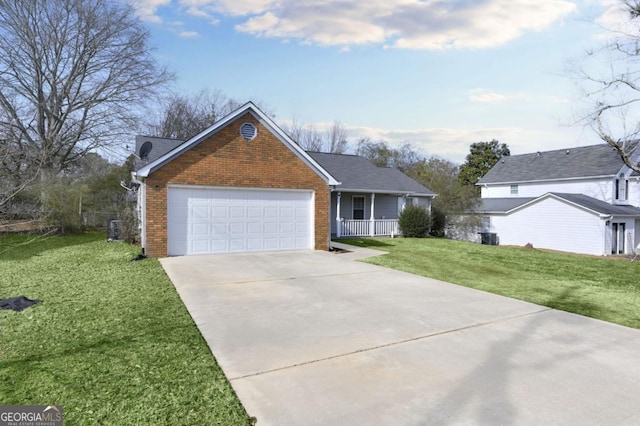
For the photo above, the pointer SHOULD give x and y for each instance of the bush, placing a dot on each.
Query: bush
(414, 221)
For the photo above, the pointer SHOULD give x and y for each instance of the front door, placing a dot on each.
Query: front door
(617, 238)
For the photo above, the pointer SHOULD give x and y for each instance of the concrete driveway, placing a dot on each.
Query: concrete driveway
(317, 338)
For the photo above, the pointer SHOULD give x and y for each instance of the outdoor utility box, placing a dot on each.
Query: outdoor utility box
(114, 232)
(489, 238)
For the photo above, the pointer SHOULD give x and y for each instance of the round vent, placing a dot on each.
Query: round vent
(248, 131)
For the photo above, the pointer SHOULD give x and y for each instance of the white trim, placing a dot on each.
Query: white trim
(263, 119)
(143, 215)
(375, 191)
(237, 188)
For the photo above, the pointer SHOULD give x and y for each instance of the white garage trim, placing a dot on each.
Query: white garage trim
(204, 219)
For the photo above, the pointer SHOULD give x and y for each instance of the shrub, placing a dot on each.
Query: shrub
(414, 221)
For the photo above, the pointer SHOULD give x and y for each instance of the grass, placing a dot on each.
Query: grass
(111, 341)
(603, 288)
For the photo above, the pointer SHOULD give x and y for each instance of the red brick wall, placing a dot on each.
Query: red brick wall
(227, 159)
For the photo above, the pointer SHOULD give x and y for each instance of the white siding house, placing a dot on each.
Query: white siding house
(581, 200)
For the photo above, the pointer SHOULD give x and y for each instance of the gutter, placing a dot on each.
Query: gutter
(374, 191)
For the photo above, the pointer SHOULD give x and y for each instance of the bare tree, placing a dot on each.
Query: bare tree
(609, 78)
(334, 140)
(184, 115)
(337, 138)
(73, 73)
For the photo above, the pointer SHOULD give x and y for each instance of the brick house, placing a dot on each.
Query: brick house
(244, 185)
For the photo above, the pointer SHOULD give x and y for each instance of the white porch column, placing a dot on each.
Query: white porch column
(338, 224)
(372, 222)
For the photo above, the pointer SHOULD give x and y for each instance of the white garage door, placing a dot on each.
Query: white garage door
(217, 220)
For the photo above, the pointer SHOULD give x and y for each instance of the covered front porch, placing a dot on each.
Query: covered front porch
(371, 214)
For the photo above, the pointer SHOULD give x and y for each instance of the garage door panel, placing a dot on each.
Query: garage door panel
(219, 212)
(219, 246)
(200, 246)
(254, 212)
(236, 228)
(206, 220)
(237, 244)
(200, 229)
(236, 212)
(254, 228)
(270, 228)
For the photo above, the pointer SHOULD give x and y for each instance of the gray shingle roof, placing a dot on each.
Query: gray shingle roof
(598, 205)
(503, 205)
(160, 146)
(500, 205)
(358, 173)
(586, 161)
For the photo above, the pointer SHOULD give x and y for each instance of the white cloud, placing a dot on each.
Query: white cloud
(615, 16)
(407, 24)
(452, 143)
(412, 24)
(484, 96)
(449, 143)
(228, 7)
(188, 34)
(147, 9)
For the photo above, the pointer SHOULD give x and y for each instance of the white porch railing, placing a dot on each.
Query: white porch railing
(364, 228)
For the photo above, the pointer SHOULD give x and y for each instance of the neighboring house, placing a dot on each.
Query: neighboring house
(244, 185)
(581, 200)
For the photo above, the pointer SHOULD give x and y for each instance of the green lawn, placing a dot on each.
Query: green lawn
(111, 341)
(603, 288)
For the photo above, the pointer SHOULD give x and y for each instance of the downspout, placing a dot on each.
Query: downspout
(607, 220)
(141, 210)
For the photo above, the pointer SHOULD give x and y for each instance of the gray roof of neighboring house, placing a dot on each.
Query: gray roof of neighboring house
(359, 174)
(586, 161)
(504, 205)
(599, 205)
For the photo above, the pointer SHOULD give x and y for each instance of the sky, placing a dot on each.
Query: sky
(439, 74)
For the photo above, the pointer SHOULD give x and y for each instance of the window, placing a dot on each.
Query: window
(358, 207)
(514, 189)
(622, 188)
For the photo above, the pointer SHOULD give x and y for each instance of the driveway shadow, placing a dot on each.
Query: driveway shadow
(487, 388)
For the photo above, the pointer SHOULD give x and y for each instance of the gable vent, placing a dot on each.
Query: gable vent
(248, 131)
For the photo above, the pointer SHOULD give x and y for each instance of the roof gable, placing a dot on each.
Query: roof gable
(582, 162)
(359, 174)
(593, 205)
(267, 122)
